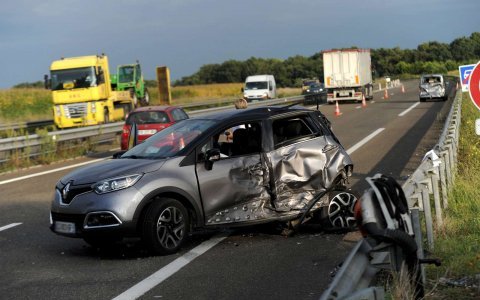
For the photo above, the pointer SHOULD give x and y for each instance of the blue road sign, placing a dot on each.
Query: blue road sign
(465, 72)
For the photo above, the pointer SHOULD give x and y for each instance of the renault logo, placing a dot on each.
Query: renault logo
(65, 191)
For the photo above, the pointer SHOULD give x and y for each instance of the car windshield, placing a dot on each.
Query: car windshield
(148, 117)
(316, 86)
(73, 78)
(431, 79)
(168, 142)
(256, 85)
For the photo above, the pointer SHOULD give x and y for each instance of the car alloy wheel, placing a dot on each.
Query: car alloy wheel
(170, 227)
(165, 227)
(340, 210)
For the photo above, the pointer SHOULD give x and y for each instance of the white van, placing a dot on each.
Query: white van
(260, 87)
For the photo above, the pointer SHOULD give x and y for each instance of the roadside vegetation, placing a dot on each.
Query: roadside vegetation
(457, 244)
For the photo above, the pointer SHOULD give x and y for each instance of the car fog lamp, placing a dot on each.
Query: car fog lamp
(115, 184)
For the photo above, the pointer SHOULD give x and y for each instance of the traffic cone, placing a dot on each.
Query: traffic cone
(364, 103)
(385, 94)
(337, 109)
(403, 89)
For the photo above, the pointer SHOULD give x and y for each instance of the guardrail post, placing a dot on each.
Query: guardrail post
(427, 211)
(443, 182)
(436, 196)
(417, 230)
(448, 171)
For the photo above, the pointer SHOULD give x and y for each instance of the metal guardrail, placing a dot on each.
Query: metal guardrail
(33, 142)
(430, 181)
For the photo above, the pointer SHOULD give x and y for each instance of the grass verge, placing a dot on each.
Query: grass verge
(457, 244)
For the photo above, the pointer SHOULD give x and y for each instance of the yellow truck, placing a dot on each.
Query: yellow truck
(82, 92)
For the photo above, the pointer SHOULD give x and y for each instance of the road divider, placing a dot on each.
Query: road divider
(9, 226)
(364, 141)
(408, 109)
(164, 273)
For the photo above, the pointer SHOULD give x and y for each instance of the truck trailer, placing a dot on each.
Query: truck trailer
(347, 74)
(82, 92)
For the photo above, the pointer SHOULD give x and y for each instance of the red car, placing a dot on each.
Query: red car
(150, 120)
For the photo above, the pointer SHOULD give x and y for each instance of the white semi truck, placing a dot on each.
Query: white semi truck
(347, 74)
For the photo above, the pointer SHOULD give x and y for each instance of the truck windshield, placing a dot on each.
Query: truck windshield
(73, 78)
(125, 74)
(256, 85)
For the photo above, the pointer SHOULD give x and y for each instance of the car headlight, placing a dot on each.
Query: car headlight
(115, 184)
(308, 91)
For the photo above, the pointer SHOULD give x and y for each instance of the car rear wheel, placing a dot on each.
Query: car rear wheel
(165, 227)
(339, 213)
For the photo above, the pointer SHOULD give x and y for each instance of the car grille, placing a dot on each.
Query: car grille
(76, 110)
(73, 192)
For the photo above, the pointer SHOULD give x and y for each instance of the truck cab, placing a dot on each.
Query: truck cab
(82, 93)
(259, 87)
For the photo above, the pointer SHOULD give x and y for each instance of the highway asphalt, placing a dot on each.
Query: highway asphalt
(388, 136)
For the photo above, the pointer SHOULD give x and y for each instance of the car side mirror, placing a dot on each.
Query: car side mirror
(211, 156)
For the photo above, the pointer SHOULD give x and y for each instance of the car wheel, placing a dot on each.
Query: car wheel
(339, 213)
(165, 227)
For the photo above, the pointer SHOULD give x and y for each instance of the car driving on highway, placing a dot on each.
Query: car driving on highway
(282, 163)
(315, 92)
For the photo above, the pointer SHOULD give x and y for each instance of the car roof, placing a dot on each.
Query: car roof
(155, 108)
(263, 112)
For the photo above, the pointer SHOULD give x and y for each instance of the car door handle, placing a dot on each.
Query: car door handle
(329, 148)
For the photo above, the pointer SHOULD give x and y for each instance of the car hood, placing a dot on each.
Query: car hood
(111, 168)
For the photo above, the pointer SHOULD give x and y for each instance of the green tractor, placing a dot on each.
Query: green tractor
(130, 78)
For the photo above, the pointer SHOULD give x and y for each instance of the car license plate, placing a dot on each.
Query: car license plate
(344, 93)
(147, 132)
(64, 227)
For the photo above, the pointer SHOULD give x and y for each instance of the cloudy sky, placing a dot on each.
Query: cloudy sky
(186, 34)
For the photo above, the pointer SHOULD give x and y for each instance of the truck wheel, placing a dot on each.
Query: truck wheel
(165, 227)
(135, 99)
(146, 98)
(106, 116)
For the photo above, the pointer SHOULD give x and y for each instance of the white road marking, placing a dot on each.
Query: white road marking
(408, 109)
(364, 141)
(51, 171)
(358, 107)
(158, 277)
(9, 226)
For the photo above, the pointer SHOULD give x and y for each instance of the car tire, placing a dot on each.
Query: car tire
(165, 226)
(339, 214)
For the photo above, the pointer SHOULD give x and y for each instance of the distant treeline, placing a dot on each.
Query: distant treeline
(429, 57)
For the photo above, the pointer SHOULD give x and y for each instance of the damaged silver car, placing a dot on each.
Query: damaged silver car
(432, 86)
(235, 168)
